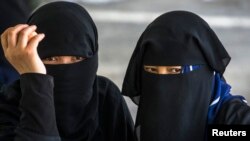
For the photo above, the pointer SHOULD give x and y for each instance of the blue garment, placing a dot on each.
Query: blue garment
(7, 74)
(220, 94)
(189, 68)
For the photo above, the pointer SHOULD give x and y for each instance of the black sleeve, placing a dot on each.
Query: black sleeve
(37, 113)
(117, 120)
(234, 112)
(9, 112)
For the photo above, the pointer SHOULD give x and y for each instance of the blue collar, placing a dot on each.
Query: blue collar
(220, 95)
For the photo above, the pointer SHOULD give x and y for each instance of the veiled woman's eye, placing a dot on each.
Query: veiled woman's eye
(150, 69)
(163, 69)
(174, 70)
(50, 59)
(78, 58)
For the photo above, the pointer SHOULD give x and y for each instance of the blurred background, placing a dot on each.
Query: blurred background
(121, 22)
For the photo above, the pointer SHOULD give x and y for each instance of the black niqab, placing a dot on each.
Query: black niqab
(70, 31)
(68, 28)
(174, 107)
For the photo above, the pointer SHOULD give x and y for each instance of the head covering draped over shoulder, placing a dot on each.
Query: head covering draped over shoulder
(70, 31)
(197, 44)
(174, 107)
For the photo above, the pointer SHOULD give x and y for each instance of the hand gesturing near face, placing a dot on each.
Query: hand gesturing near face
(20, 48)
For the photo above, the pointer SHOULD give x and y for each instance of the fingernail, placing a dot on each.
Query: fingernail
(42, 34)
(34, 26)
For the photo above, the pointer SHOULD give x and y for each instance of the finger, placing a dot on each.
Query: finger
(12, 34)
(4, 39)
(34, 41)
(18, 25)
(23, 37)
(32, 35)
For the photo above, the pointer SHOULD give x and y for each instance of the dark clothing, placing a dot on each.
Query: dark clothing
(71, 103)
(27, 112)
(70, 31)
(175, 107)
(81, 106)
(233, 112)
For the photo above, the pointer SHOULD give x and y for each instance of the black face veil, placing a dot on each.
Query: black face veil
(70, 31)
(174, 107)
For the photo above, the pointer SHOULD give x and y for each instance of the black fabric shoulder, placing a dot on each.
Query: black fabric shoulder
(234, 112)
(116, 119)
(106, 84)
(109, 94)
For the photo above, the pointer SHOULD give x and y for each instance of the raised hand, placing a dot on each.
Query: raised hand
(20, 48)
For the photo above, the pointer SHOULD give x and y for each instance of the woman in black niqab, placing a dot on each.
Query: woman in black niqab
(178, 107)
(85, 107)
(70, 31)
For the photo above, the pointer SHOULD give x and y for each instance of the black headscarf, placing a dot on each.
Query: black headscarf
(70, 31)
(174, 107)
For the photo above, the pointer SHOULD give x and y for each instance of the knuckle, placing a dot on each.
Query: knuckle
(27, 52)
(22, 33)
(12, 32)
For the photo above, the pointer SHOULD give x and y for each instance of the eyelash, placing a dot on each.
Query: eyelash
(152, 69)
(175, 70)
(170, 70)
(55, 58)
(50, 59)
(78, 58)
